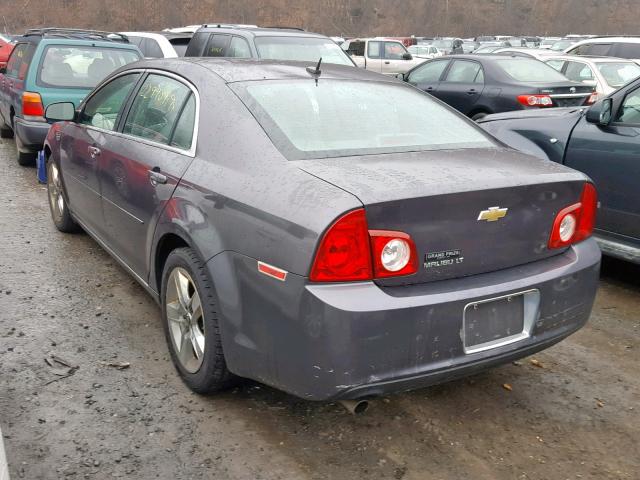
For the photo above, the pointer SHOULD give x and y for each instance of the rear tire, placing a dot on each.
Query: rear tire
(58, 206)
(191, 323)
(27, 159)
(6, 132)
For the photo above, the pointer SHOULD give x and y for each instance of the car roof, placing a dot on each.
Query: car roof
(590, 59)
(606, 40)
(168, 35)
(241, 70)
(261, 31)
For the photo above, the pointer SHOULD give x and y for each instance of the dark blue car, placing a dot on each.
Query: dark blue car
(602, 141)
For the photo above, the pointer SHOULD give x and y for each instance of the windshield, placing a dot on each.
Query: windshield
(530, 70)
(336, 118)
(305, 49)
(81, 67)
(618, 74)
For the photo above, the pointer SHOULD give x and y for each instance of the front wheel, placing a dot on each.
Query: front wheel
(60, 213)
(191, 324)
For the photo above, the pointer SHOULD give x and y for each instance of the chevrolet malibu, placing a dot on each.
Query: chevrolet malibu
(325, 230)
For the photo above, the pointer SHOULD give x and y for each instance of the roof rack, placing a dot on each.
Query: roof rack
(228, 25)
(77, 33)
(280, 27)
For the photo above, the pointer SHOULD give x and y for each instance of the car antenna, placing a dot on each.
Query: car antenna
(316, 72)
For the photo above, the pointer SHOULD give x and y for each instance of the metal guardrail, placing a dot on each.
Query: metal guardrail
(4, 468)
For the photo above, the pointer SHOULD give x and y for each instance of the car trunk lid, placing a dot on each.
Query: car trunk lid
(452, 204)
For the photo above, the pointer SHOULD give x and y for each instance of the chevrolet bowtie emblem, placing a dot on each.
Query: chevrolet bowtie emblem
(493, 214)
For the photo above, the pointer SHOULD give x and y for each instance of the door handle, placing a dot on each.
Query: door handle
(387, 62)
(94, 152)
(156, 177)
(471, 92)
(429, 89)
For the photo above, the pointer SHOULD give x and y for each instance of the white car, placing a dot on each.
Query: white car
(160, 44)
(606, 74)
(381, 55)
(424, 51)
(194, 28)
(620, 47)
(537, 53)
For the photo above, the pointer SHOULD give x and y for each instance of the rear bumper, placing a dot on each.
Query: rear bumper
(30, 136)
(324, 342)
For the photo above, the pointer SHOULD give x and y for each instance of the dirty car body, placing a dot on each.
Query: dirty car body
(291, 210)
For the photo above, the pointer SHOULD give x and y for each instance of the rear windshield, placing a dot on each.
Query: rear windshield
(65, 66)
(336, 118)
(530, 70)
(180, 45)
(306, 49)
(618, 74)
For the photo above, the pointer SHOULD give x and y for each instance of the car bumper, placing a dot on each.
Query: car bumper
(325, 342)
(30, 135)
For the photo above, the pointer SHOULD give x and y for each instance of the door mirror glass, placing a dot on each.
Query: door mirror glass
(600, 112)
(60, 112)
(407, 56)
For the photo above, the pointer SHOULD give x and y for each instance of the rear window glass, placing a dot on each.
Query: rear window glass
(20, 60)
(305, 49)
(81, 67)
(626, 50)
(618, 74)
(180, 45)
(340, 118)
(530, 70)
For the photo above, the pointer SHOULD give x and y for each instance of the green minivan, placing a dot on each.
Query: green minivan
(52, 65)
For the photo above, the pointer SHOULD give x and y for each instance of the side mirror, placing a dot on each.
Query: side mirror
(407, 56)
(60, 112)
(600, 112)
(401, 76)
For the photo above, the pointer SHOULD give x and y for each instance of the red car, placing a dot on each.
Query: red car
(6, 47)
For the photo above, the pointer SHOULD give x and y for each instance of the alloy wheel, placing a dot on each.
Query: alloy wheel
(186, 319)
(56, 198)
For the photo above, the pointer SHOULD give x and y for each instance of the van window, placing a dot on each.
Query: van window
(626, 50)
(598, 49)
(20, 59)
(217, 46)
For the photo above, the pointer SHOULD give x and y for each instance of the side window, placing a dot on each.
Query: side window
(463, 71)
(480, 76)
(356, 48)
(373, 50)
(630, 110)
(135, 40)
(578, 72)
(155, 108)
(556, 64)
(103, 108)
(598, 49)
(20, 59)
(183, 133)
(580, 50)
(626, 50)
(428, 72)
(197, 44)
(152, 49)
(217, 46)
(239, 48)
(393, 50)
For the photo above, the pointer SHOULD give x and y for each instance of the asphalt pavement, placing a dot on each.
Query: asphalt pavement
(87, 388)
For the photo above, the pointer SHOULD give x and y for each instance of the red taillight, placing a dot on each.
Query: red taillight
(344, 253)
(394, 254)
(535, 100)
(575, 223)
(32, 105)
(349, 251)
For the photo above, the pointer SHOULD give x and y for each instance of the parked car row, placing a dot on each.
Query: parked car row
(334, 284)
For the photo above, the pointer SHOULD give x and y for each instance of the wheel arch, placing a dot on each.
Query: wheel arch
(166, 243)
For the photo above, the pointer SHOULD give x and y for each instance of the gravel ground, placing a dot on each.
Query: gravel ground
(571, 412)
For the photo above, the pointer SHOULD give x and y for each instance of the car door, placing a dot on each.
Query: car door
(374, 56)
(462, 85)
(609, 155)
(427, 75)
(144, 163)
(392, 58)
(83, 146)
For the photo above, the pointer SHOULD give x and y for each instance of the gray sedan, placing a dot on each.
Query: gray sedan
(328, 231)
